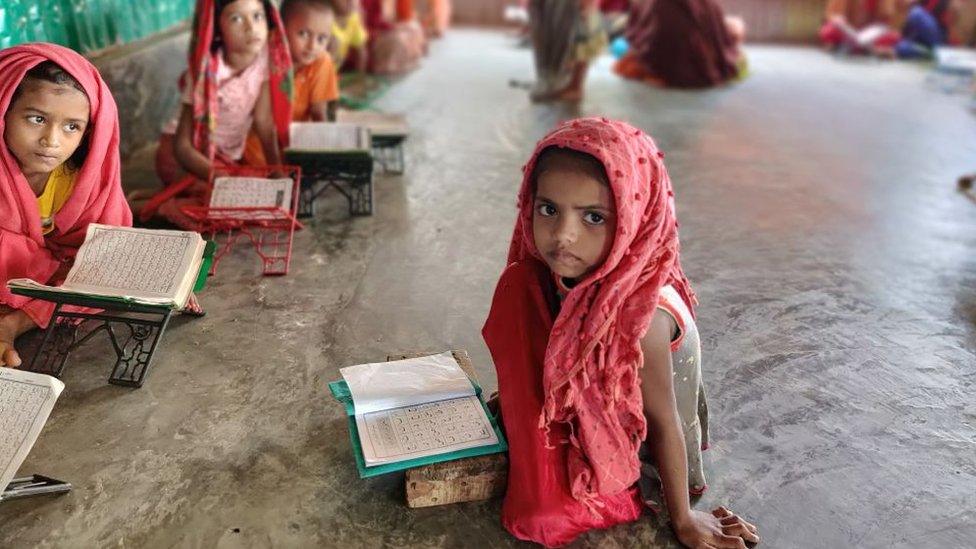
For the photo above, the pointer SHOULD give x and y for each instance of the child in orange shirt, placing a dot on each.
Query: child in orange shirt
(308, 28)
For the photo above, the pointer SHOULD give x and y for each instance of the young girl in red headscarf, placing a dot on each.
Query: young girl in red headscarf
(59, 171)
(593, 337)
(239, 75)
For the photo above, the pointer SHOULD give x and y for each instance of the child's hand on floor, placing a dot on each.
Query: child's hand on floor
(720, 529)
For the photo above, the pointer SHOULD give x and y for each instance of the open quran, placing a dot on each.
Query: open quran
(145, 266)
(329, 137)
(414, 412)
(26, 400)
(379, 124)
(260, 198)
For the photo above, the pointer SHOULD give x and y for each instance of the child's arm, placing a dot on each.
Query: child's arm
(324, 111)
(264, 127)
(192, 160)
(361, 59)
(667, 443)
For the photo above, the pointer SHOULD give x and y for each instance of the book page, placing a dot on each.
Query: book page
(328, 137)
(251, 192)
(962, 60)
(379, 123)
(26, 400)
(385, 385)
(126, 262)
(424, 430)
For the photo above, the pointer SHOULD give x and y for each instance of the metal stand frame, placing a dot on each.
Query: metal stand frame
(388, 153)
(134, 330)
(350, 174)
(270, 230)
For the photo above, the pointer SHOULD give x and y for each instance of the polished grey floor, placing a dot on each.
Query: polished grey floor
(834, 260)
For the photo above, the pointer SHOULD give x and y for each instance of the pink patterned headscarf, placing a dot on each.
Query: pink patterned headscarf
(590, 378)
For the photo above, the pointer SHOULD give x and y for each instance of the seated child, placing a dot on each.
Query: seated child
(315, 95)
(689, 44)
(436, 17)
(396, 40)
(350, 37)
(592, 333)
(927, 26)
(238, 76)
(59, 171)
(860, 26)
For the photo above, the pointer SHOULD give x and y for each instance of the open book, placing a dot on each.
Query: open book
(380, 124)
(26, 400)
(960, 61)
(409, 409)
(258, 198)
(329, 137)
(150, 267)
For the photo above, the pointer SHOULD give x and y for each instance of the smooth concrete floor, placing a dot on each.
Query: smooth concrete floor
(834, 259)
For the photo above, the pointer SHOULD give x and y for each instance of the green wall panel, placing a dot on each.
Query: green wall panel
(87, 25)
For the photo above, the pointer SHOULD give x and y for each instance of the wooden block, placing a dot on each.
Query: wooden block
(469, 479)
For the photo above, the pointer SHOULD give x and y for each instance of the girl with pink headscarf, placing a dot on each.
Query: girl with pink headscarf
(59, 172)
(593, 336)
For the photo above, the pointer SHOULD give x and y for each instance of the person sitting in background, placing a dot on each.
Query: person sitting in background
(396, 41)
(927, 26)
(681, 44)
(436, 17)
(860, 26)
(315, 93)
(349, 37)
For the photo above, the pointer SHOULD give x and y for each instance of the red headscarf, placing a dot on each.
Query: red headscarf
(97, 196)
(203, 60)
(589, 375)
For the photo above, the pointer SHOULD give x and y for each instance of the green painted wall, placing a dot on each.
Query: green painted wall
(87, 25)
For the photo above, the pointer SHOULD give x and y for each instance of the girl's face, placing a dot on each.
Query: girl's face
(574, 222)
(308, 30)
(244, 27)
(45, 125)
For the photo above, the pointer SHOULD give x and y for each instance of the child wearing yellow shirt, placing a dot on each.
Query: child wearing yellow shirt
(350, 35)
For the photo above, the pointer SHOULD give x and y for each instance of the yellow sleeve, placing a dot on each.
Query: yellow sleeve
(357, 32)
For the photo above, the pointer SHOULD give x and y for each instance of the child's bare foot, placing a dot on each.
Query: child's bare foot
(570, 95)
(542, 97)
(193, 307)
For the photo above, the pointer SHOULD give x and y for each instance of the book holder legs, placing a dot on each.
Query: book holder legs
(271, 241)
(34, 485)
(388, 154)
(353, 178)
(269, 228)
(134, 332)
